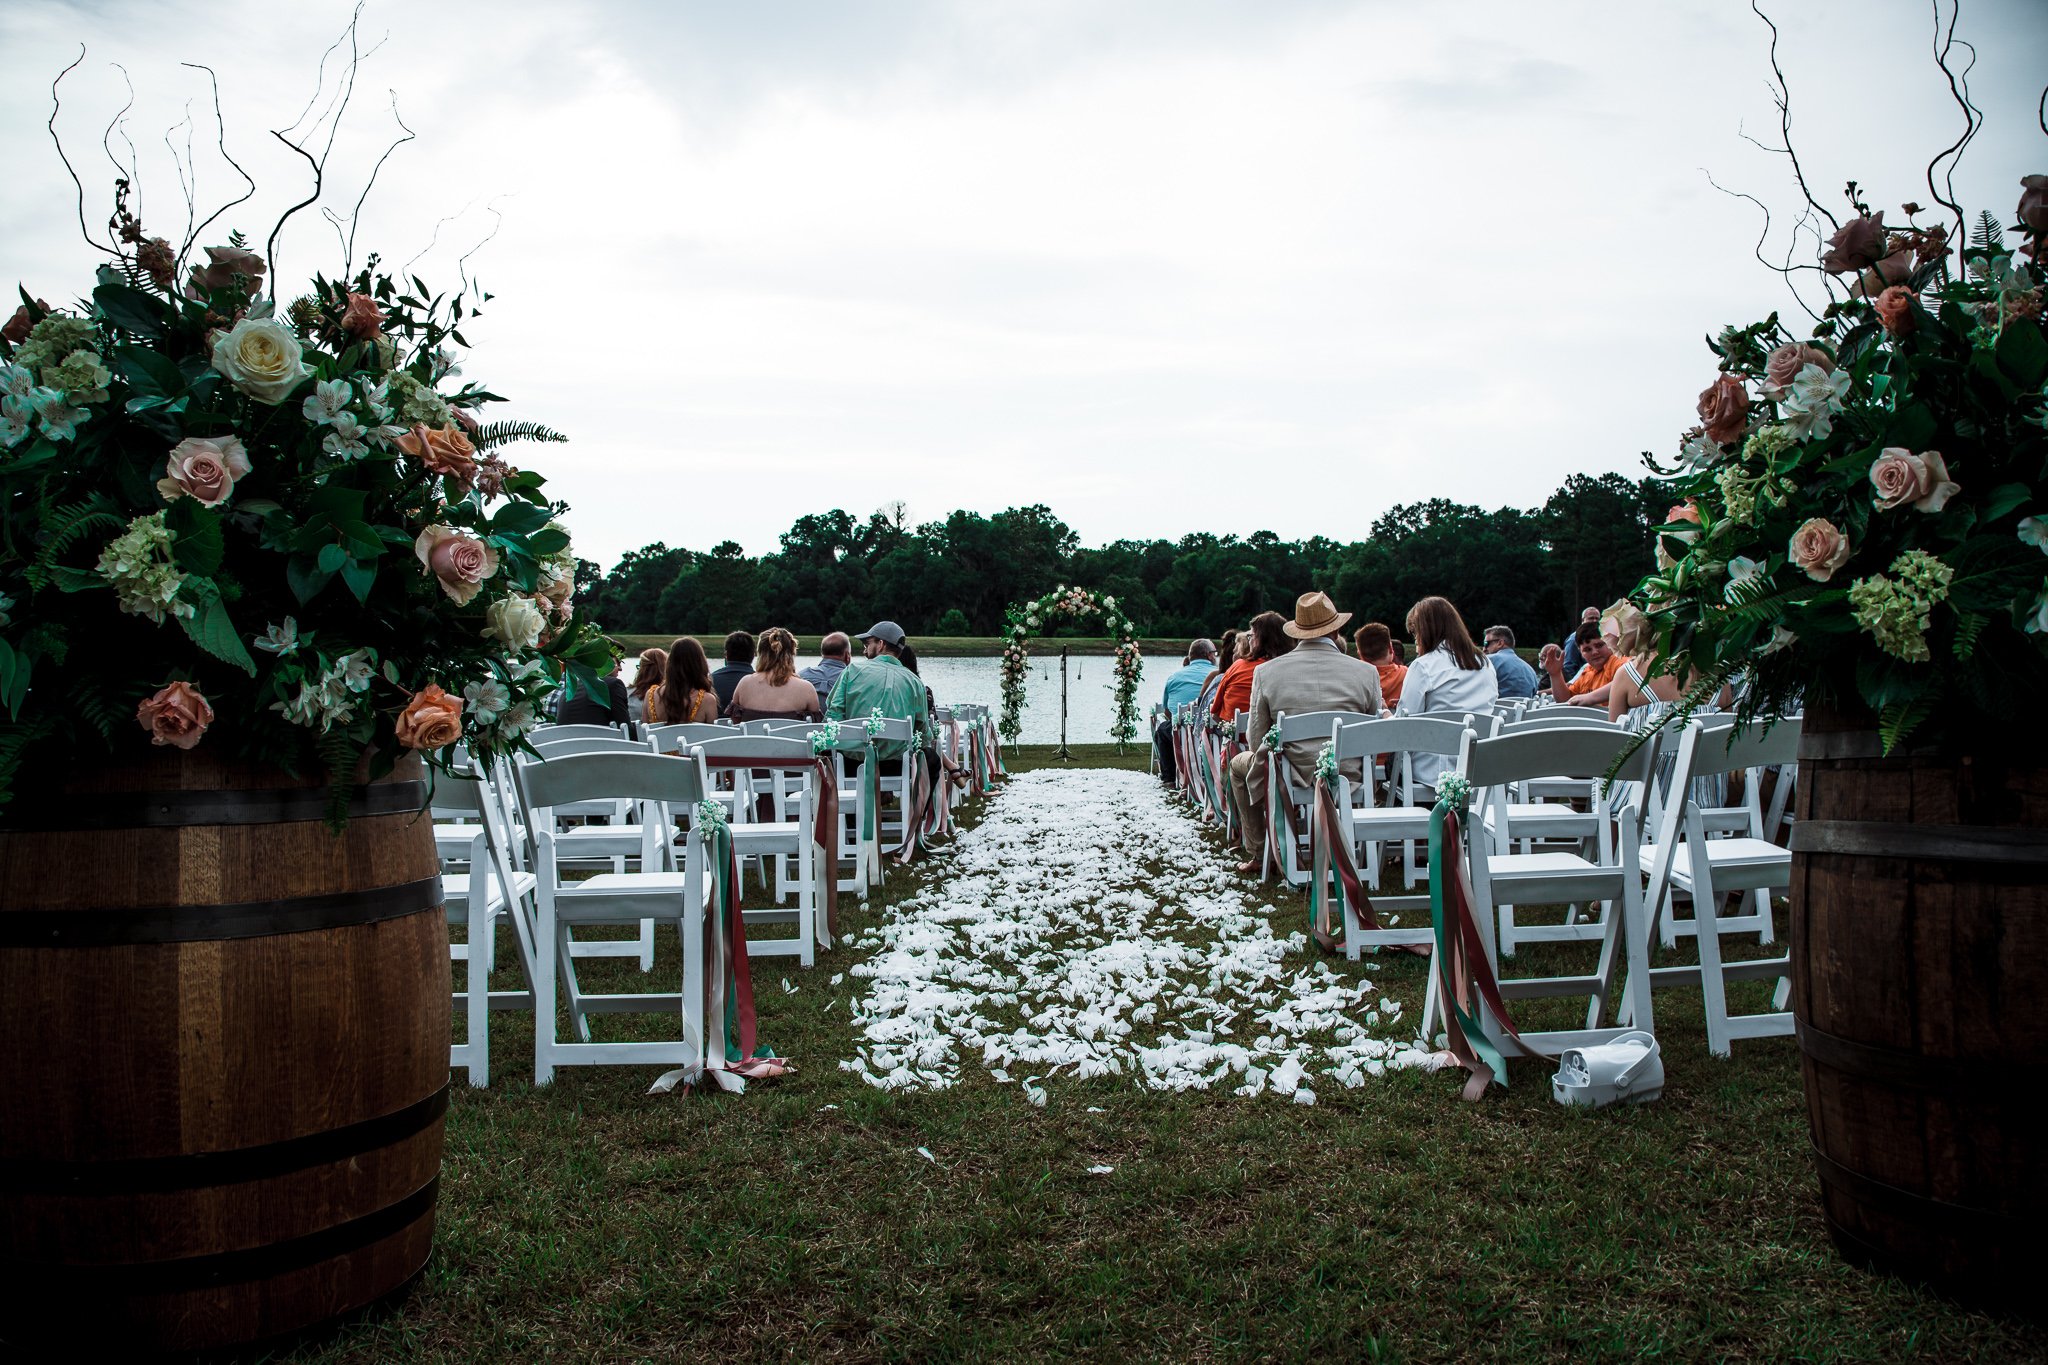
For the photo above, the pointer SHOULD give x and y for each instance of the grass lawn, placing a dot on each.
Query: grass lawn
(590, 1221)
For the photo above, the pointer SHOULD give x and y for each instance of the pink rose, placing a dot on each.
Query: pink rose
(176, 716)
(362, 319)
(1900, 477)
(458, 560)
(1820, 548)
(17, 329)
(1895, 309)
(1724, 408)
(1786, 362)
(1857, 245)
(225, 262)
(205, 468)
(2033, 209)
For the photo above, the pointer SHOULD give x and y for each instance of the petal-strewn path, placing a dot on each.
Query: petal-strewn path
(1085, 927)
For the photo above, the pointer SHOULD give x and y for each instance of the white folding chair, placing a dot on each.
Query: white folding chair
(1284, 784)
(661, 787)
(1612, 877)
(588, 845)
(489, 888)
(781, 773)
(1686, 861)
(578, 731)
(1369, 824)
(892, 822)
(677, 738)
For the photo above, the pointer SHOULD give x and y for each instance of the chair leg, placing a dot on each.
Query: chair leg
(545, 968)
(1713, 987)
(478, 1011)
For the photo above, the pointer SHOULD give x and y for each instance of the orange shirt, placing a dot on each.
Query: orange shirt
(1591, 678)
(1391, 677)
(1234, 693)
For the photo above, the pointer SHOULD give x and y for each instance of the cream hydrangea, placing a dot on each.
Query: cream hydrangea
(137, 565)
(81, 377)
(51, 340)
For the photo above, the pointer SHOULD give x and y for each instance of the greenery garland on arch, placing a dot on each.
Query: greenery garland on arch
(1065, 604)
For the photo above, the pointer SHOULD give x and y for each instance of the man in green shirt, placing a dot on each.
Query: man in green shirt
(880, 682)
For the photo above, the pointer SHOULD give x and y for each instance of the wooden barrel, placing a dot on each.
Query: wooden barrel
(226, 1066)
(1920, 977)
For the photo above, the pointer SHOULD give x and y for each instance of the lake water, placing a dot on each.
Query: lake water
(1091, 692)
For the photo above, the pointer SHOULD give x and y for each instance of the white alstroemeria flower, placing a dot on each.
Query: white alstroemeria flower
(280, 640)
(378, 401)
(2034, 532)
(1740, 570)
(329, 399)
(1812, 400)
(1700, 452)
(345, 442)
(60, 420)
(487, 700)
(16, 419)
(357, 670)
(2037, 624)
(517, 721)
(16, 380)
(1781, 638)
(522, 669)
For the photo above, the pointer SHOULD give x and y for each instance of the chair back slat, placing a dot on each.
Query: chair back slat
(611, 777)
(615, 743)
(1555, 751)
(1399, 734)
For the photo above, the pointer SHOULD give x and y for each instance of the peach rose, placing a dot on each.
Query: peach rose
(204, 468)
(1820, 548)
(431, 720)
(1724, 408)
(18, 327)
(1895, 310)
(362, 319)
(1787, 361)
(176, 716)
(1900, 477)
(2033, 209)
(444, 451)
(1857, 245)
(457, 559)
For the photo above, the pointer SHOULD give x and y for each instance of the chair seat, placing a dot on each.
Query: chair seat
(1547, 820)
(620, 896)
(587, 841)
(1735, 862)
(1533, 878)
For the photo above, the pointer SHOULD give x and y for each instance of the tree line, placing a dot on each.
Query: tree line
(1530, 569)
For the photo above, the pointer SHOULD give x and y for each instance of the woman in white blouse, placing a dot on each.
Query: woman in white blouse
(1449, 674)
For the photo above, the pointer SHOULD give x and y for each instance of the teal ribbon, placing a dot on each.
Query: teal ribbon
(1453, 794)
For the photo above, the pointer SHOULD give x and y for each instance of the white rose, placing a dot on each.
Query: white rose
(261, 358)
(515, 622)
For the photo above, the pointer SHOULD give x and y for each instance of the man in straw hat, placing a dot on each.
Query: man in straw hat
(1316, 675)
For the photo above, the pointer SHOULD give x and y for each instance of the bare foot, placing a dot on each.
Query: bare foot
(1250, 869)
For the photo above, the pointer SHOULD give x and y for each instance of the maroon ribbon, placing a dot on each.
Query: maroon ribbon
(824, 829)
(1466, 969)
(1332, 844)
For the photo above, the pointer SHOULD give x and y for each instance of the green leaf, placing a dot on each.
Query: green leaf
(211, 628)
(2023, 354)
(548, 540)
(131, 310)
(331, 557)
(1901, 719)
(359, 576)
(196, 542)
(305, 578)
(69, 579)
(519, 518)
(151, 373)
(2003, 499)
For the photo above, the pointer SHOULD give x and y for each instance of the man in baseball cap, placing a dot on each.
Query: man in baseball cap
(880, 682)
(886, 632)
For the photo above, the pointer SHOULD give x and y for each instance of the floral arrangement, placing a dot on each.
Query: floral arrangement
(1072, 604)
(1865, 517)
(282, 529)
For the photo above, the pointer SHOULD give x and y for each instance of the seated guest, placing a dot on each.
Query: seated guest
(1376, 646)
(1517, 679)
(1315, 675)
(1573, 661)
(773, 691)
(880, 682)
(1262, 640)
(605, 708)
(739, 663)
(1449, 675)
(835, 653)
(1589, 687)
(653, 663)
(684, 695)
(908, 658)
(1639, 694)
(1183, 685)
(1226, 655)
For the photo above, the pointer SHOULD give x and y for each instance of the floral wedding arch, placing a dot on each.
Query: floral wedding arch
(1065, 604)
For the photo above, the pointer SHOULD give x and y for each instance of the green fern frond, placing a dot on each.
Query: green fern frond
(1968, 627)
(340, 754)
(1989, 232)
(1902, 718)
(89, 703)
(63, 526)
(511, 433)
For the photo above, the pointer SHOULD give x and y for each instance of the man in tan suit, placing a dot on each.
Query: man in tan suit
(1316, 675)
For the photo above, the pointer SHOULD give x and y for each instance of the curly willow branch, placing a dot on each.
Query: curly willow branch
(1782, 97)
(1973, 117)
(56, 104)
(106, 138)
(221, 127)
(349, 247)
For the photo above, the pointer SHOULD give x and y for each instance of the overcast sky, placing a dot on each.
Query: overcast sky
(1164, 265)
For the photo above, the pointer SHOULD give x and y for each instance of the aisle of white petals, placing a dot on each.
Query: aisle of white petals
(1085, 927)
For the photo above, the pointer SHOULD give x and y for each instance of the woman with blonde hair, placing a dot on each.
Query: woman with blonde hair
(647, 675)
(684, 695)
(1450, 673)
(773, 691)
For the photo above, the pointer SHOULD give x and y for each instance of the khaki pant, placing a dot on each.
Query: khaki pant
(1247, 783)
